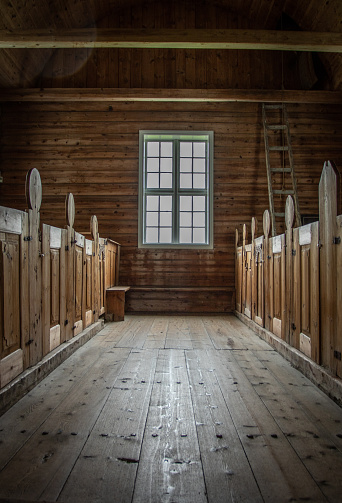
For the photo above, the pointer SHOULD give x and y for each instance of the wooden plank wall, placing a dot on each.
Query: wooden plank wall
(303, 269)
(91, 149)
(170, 68)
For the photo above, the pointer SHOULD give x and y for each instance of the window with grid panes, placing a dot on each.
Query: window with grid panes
(175, 189)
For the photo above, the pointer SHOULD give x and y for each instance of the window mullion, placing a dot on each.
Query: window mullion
(175, 215)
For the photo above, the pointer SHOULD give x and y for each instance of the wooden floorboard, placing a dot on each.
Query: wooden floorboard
(174, 410)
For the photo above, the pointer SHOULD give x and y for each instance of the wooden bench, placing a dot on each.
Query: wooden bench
(115, 297)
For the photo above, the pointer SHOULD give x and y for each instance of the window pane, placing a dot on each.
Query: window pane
(166, 164)
(185, 149)
(185, 181)
(151, 235)
(165, 235)
(165, 180)
(199, 181)
(185, 165)
(152, 180)
(199, 203)
(166, 149)
(199, 236)
(152, 203)
(153, 149)
(185, 219)
(185, 203)
(184, 235)
(199, 149)
(152, 219)
(199, 219)
(165, 203)
(199, 165)
(165, 219)
(152, 164)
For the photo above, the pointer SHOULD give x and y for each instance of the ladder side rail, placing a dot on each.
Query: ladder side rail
(269, 175)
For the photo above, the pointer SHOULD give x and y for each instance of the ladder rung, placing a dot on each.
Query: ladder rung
(281, 170)
(275, 127)
(279, 214)
(280, 149)
(273, 107)
(286, 192)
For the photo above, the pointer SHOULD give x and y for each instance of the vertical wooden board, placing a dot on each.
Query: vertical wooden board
(62, 284)
(35, 285)
(10, 265)
(295, 323)
(70, 283)
(55, 286)
(24, 291)
(238, 279)
(89, 283)
(327, 229)
(288, 287)
(79, 282)
(338, 331)
(46, 288)
(84, 285)
(305, 289)
(268, 284)
(248, 295)
(314, 294)
(283, 286)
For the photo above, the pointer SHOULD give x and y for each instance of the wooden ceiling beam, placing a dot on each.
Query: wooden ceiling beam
(173, 39)
(171, 95)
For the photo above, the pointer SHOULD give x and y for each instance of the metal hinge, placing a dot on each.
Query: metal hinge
(66, 322)
(28, 238)
(337, 240)
(66, 248)
(294, 253)
(337, 355)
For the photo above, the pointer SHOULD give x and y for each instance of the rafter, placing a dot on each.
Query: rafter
(173, 38)
(171, 95)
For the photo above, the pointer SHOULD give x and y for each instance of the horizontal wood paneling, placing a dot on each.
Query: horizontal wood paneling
(91, 150)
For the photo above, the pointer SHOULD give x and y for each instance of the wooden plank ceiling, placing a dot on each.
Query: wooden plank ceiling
(22, 67)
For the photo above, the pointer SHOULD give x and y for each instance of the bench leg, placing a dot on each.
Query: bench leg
(116, 305)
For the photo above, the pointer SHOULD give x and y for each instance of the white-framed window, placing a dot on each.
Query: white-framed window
(176, 189)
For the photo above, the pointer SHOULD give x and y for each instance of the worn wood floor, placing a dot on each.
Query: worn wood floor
(173, 409)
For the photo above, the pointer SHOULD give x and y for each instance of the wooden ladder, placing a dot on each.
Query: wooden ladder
(281, 180)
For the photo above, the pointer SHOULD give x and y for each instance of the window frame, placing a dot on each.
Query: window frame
(177, 136)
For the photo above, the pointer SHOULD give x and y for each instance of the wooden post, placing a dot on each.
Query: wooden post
(34, 199)
(328, 284)
(244, 271)
(238, 273)
(254, 273)
(96, 268)
(268, 272)
(46, 288)
(289, 217)
(295, 322)
(70, 267)
(25, 291)
(314, 293)
(338, 329)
